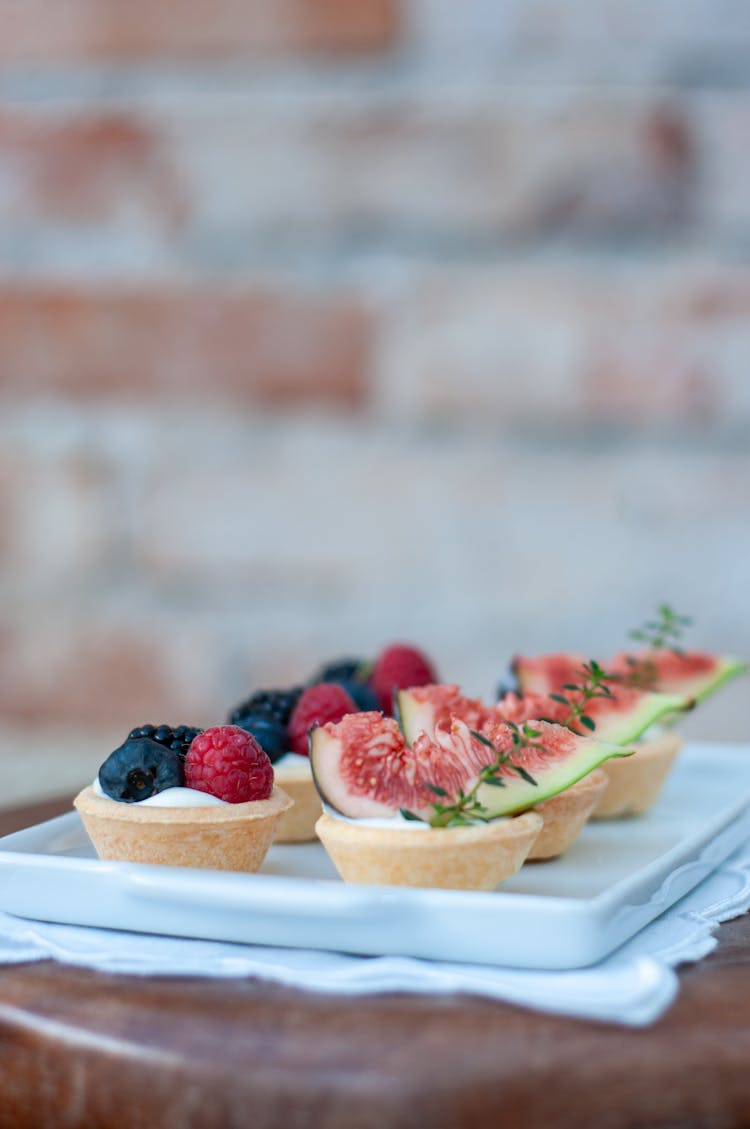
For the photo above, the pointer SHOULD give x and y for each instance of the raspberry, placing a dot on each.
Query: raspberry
(399, 667)
(227, 762)
(318, 704)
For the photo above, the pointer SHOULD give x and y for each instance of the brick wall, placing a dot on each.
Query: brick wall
(325, 323)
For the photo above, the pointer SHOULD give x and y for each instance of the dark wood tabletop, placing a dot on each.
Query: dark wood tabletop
(82, 1049)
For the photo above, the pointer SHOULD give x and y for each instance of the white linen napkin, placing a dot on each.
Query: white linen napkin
(633, 986)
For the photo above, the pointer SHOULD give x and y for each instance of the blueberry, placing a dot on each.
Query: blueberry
(508, 684)
(360, 692)
(352, 674)
(342, 670)
(140, 768)
(270, 734)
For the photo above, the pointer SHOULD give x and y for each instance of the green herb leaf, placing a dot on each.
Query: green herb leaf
(523, 773)
(481, 737)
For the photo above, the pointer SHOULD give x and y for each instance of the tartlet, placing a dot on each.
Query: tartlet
(477, 857)
(633, 786)
(298, 824)
(566, 814)
(222, 837)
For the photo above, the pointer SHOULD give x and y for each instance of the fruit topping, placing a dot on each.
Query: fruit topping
(177, 738)
(664, 666)
(693, 673)
(270, 734)
(327, 701)
(140, 768)
(363, 767)
(228, 762)
(277, 704)
(421, 708)
(343, 670)
(546, 674)
(354, 676)
(608, 709)
(396, 668)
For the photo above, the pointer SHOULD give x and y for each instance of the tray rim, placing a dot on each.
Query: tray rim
(231, 892)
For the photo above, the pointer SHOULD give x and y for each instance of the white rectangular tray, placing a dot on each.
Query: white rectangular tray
(562, 914)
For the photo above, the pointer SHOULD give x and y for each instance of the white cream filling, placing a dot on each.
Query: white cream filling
(387, 823)
(290, 760)
(398, 822)
(170, 798)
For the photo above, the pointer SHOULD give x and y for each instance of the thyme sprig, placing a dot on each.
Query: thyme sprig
(664, 632)
(594, 685)
(660, 634)
(467, 807)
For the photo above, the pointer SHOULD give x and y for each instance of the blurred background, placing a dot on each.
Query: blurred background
(328, 323)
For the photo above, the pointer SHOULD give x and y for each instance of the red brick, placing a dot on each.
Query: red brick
(218, 343)
(94, 673)
(85, 169)
(140, 29)
(186, 181)
(73, 678)
(435, 171)
(56, 526)
(550, 348)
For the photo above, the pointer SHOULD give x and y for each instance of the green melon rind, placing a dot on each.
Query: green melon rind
(518, 795)
(728, 667)
(320, 744)
(620, 728)
(414, 717)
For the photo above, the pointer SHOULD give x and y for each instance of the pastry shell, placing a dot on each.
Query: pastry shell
(634, 783)
(453, 858)
(566, 814)
(298, 824)
(230, 837)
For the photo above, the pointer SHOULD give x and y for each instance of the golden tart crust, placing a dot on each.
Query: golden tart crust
(227, 837)
(298, 824)
(454, 858)
(565, 816)
(634, 783)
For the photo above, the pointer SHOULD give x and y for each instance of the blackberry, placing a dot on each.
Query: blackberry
(176, 738)
(140, 768)
(276, 704)
(270, 734)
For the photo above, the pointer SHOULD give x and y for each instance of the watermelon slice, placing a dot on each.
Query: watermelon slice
(547, 674)
(692, 674)
(696, 674)
(421, 708)
(364, 768)
(618, 720)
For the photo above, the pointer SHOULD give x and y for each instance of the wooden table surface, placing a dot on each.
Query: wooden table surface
(82, 1049)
